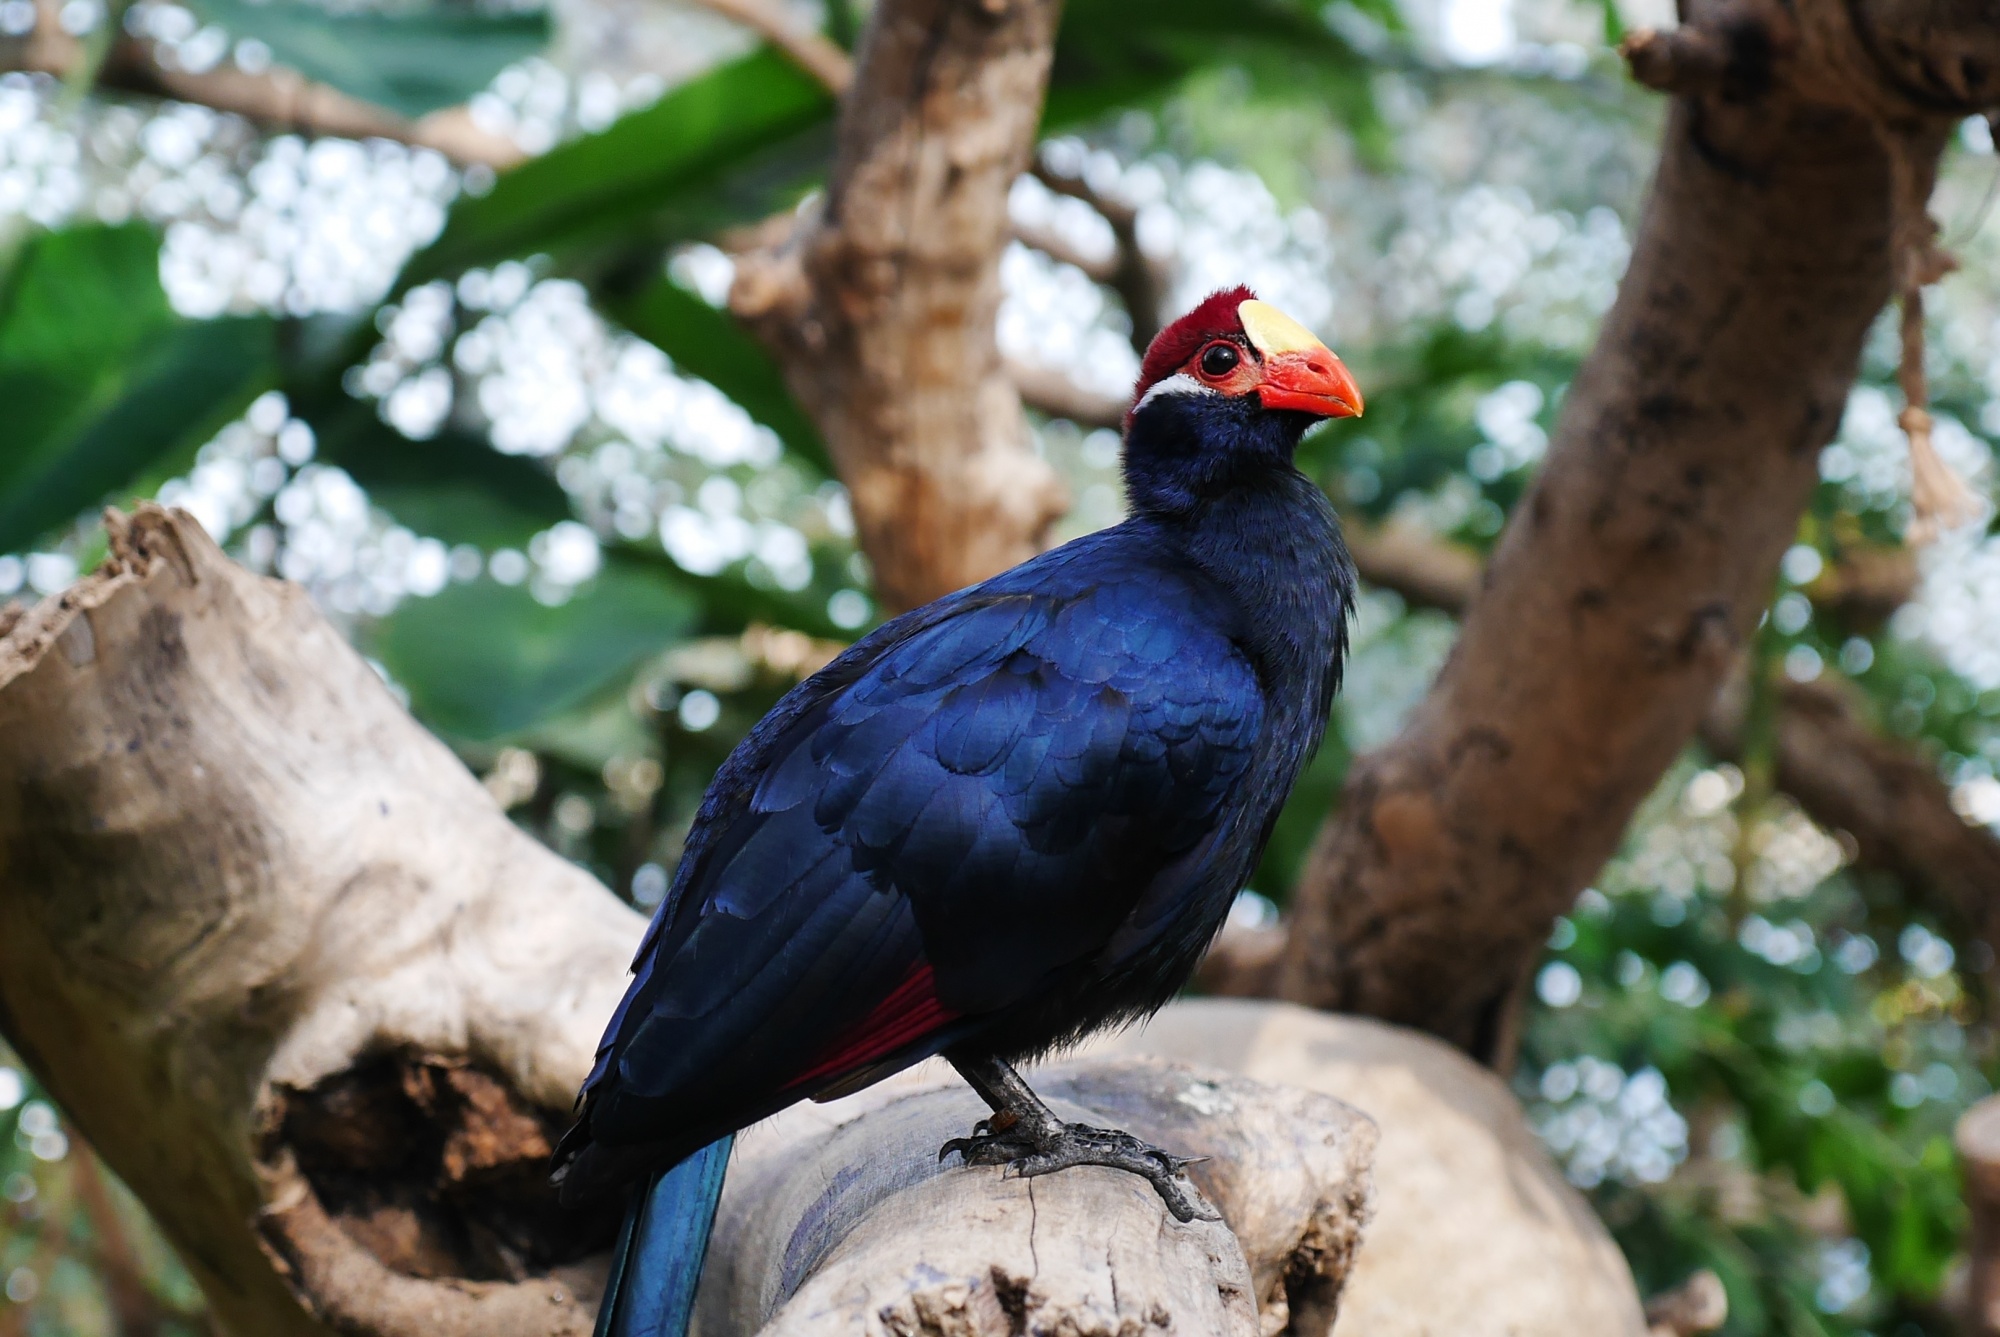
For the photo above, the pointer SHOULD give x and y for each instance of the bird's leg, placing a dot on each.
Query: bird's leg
(1024, 1135)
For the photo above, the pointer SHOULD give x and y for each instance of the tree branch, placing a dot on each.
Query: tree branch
(1427, 571)
(320, 1004)
(1058, 248)
(812, 52)
(881, 307)
(323, 1007)
(1474, 1230)
(1886, 795)
(1841, 771)
(278, 99)
(1049, 391)
(1633, 572)
(1138, 281)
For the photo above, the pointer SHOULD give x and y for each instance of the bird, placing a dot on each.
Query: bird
(997, 823)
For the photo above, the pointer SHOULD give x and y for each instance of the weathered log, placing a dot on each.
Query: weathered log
(840, 1219)
(1474, 1232)
(297, 979)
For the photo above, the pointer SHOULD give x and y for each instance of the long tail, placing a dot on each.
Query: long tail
(660, 1250)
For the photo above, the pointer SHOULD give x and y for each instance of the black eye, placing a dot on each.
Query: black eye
(1218, 360)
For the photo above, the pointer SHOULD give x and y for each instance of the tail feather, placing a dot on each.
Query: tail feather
(661, 1249)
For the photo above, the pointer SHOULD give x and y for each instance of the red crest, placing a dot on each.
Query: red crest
(1215, 317)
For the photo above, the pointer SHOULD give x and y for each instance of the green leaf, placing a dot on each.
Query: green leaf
(453, 487)
(102, 382)
(483, 660)
(591, 734)
(1614, 22)
(409, 61)
(83, 293)
(710, 344)
(723, 148)
(1112, 54)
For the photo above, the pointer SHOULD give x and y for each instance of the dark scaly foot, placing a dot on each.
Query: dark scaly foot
(1025, 1136)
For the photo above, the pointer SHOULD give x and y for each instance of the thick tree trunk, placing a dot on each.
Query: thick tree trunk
(1640, 561)
(881, 308)
(1843, 772)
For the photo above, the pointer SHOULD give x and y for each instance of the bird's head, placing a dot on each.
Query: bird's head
(1231, 386)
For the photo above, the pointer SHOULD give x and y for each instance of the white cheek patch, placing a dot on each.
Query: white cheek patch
(1180, 383)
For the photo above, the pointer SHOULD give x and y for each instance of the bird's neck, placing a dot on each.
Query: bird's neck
(1272, 544)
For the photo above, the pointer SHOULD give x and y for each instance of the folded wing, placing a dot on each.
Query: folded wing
(921, 837)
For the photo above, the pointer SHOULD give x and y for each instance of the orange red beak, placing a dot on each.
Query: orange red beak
(1300, 372)
(1315, 382)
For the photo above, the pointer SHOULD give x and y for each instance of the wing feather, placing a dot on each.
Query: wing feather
(959, 807)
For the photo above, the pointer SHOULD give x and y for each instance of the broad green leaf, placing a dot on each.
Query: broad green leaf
(1614, 22)
(483, 660)
(79, 303)
(453, 487)
(723, 148)
(710, 344)
(730, 602)
(101, 381)
(589, 735)
(411, 61)
(82, 292)
(1112, 54)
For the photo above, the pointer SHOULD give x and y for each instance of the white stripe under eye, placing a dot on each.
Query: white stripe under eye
(1180, 383)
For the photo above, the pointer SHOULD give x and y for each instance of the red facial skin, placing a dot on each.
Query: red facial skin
(1310, 380)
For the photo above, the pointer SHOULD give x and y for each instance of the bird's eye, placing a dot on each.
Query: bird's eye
(1218, 360)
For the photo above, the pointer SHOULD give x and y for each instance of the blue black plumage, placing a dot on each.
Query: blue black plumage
(1003, 820)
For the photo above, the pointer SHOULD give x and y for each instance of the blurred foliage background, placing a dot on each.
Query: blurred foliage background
(498, 425)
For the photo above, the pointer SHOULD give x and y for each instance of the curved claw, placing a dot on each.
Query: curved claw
(1065, 1146)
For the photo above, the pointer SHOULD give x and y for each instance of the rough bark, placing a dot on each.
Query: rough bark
(1473, 1231)
(1977, 1140)
(1636, 567)
(839, 1219)
(283, 961)
(1840, 769)
(881, 306)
